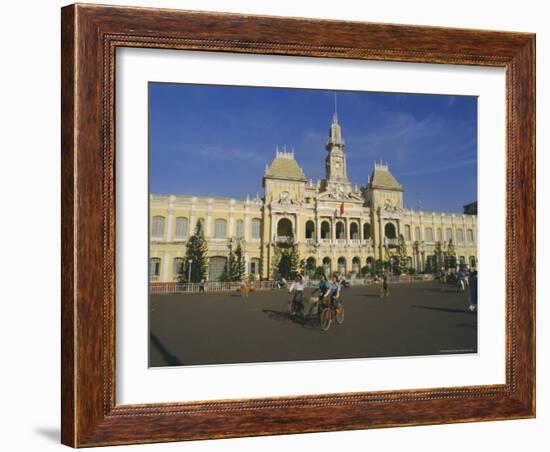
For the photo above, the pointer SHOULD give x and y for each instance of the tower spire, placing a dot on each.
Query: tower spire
(335, 114)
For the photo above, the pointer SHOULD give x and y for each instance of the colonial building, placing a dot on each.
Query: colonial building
(337, 224)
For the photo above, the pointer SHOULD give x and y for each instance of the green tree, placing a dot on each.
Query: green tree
(450, 257)
(289, 264)
(401, 255)
(319, 271)
(197, 252)
(238, 269)
(309, 267)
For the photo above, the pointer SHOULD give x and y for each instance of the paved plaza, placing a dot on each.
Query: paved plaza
(222, 328)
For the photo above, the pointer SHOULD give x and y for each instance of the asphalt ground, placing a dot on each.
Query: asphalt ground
(222, 328)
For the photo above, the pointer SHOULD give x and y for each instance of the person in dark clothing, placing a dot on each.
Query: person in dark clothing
(473, 291)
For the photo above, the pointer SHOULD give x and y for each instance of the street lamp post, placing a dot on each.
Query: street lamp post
(189, 277)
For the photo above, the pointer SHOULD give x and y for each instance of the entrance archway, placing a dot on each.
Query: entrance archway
(389, 231)
(284, 228)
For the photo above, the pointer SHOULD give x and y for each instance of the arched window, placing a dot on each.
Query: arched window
(417, 236)
(356, 264)
(177, 270)
(181, 227)
(448, 234)
(342, 265)
(220, 229)
(459, 235)
(439, 234)
(154, 268)
(239, 229)
(470, 235)
(157, 229)
(256, 228)
(389, 231)
(216, 267)
(326, 266)
(472, 262)
(407, 233)
(366, 231)
(310, 229)
(284, 228)
(354, 230)
(429, 234)
(340, 230)
(325, 230)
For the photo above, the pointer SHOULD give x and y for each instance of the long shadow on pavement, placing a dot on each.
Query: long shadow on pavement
(432, 308)
(169, 359)
(281, 316)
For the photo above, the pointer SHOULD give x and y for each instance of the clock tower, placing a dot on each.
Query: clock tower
(335, 163)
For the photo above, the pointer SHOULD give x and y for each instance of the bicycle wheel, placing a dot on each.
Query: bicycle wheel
(325, 319)
(340, 314)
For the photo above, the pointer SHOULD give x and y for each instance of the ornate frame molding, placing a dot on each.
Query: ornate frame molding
(90, 37)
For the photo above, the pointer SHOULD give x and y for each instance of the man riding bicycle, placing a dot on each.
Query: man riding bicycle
(297, 289)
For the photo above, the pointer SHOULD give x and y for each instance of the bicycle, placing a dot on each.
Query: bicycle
(295, 307)
(333, 311)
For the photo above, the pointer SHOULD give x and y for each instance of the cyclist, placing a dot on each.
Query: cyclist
(297, 289)
(334, 291)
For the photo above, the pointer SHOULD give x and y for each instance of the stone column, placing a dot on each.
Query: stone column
(208, 232)
(165, 266)
(170, 223)
(318, 228)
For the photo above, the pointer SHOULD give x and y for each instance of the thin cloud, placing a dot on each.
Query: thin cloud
(222, 153)
(439, 169)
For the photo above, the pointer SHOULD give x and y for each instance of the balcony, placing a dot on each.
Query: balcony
(391, 242)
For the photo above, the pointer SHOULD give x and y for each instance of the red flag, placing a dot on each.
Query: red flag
(342, 209)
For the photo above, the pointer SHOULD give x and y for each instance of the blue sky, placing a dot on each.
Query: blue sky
(216, 140)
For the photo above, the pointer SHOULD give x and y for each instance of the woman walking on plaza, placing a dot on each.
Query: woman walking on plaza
(245, 290)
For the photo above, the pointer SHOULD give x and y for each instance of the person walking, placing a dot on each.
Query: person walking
(384, 289)
(473, 291)
(442, 279)
(244, 289)
(201, 286)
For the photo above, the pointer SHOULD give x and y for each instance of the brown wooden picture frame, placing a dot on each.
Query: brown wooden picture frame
(90, 35)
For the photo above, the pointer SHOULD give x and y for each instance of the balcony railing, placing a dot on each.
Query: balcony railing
(391, 242)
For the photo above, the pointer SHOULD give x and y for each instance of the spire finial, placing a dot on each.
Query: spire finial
(335, 114)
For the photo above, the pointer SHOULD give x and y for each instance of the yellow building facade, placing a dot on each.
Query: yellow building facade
(336, 224)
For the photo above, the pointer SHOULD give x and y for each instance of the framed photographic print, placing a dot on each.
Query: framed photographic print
(272, 222)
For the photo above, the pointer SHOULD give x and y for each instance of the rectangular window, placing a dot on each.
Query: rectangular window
(178, 267)
(220, 229)
(417, 234)
(470, 235)
(459, 235)
(157, 229)
(407, 233)
(448, 234)
(429, 235)
(181, 227)
(439, 234)
(154, 267)
(256, 228)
